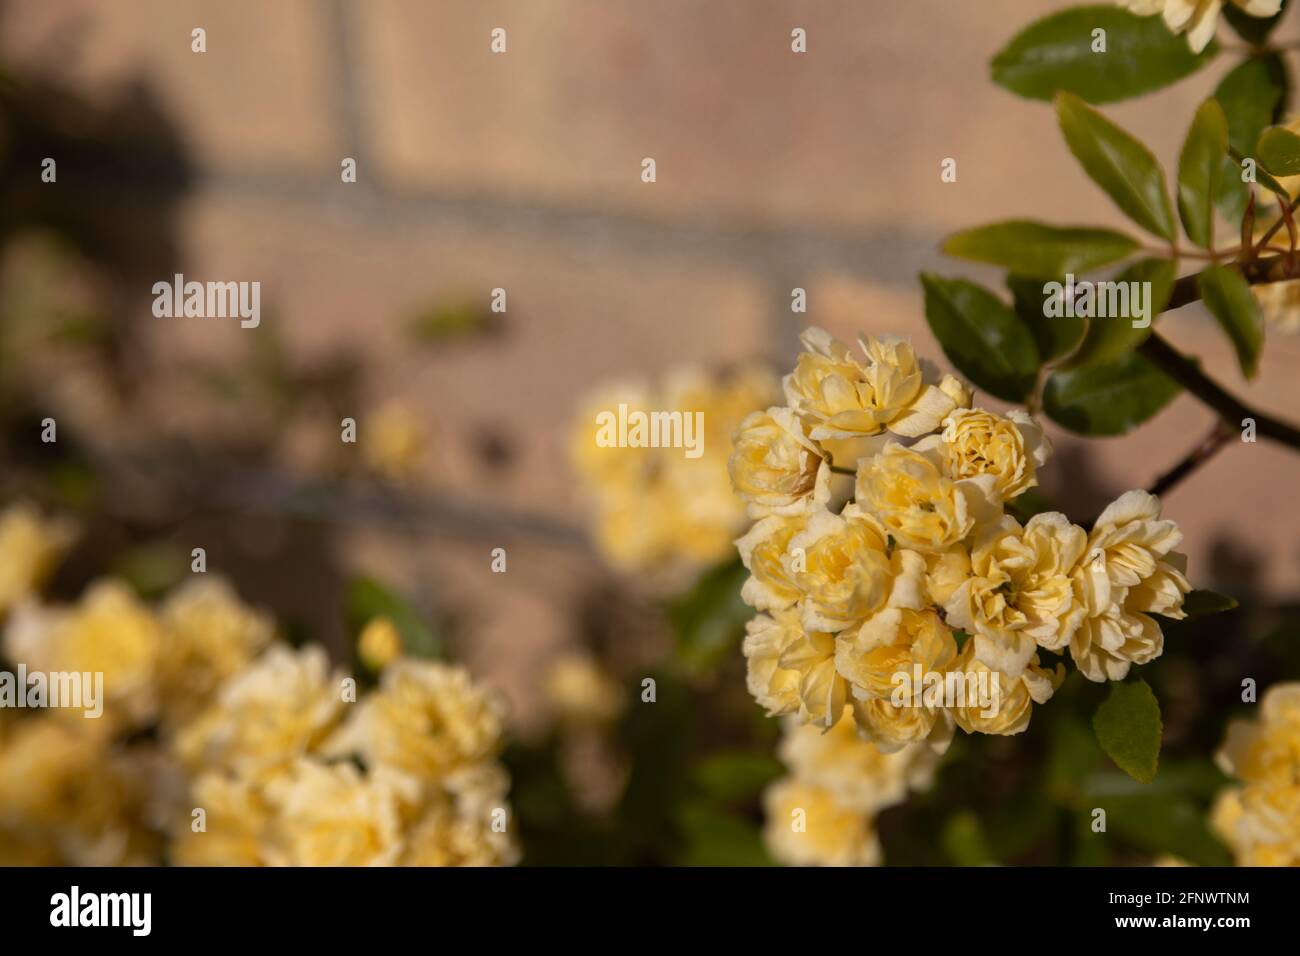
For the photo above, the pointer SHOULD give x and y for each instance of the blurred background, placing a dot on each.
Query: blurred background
(522, 171)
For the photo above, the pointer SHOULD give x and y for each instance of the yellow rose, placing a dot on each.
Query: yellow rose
(261, 720)
(393, 442)
(846, 571)
(1020, 594)
(426, 719)
(892, 727)
(29, 548)
(1130, 571)
(844, 398)
(997, 703)
(463, 824)
(775, 467)
(763, 551)
(853, 769)
(581, 693)
(108, 631)
(792, 670)
(332, 815)
(1266, 750)
(944, 573)
(209, 635)
(918, 505)
(974, 442)
(806, 826)
(892, 642)
(379, 643)
(237, 821)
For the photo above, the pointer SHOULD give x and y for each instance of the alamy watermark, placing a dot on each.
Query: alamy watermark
(209, 300)
(80, 690)
(1098, 300)
(637, 429)
(922, 688)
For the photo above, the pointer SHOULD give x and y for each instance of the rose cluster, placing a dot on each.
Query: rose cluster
(219, 744)
(924, 568)
(1260, 819)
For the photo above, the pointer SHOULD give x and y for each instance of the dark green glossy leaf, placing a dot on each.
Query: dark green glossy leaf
(1057, 53)
(1200, 170)
(1108, 399)
(1228, 297)
(1037, 249)
(982, 337)
(1129, 729)
(1121, 330)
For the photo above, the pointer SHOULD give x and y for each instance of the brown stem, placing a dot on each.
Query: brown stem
(1219, 436)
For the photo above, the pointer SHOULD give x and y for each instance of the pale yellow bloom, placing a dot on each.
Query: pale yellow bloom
(764, 550)
(108, 631)
(209, 635)
(263, 719)
(974, 442)
(892, 727)
(29, 547)
(1198, 18)
(918, 505)
(581, 693)
(1021, 594)
(393, 441)
(379, 643)
(1007, 708)
(860, 775)
(944, 573)
(1129, 572)
(807, 826)
(792, 670)
(1280, 303)
(844, 398)
(332, 815)
(1266, 750)
(775, 467)
(657, 510)
(465, 824)
(235, 829)
(843, 566)
(426, 719)
(66, 791)
(893, 642)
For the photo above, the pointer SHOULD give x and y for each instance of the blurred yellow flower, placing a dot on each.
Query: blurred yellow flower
(580, 693)
(29, 547)
(655, 509)
(379, 644)
(426, 719)
(393, 441)
(209, 635)
(332, 815)
(266, 717)
(807, 826)
(109, 631)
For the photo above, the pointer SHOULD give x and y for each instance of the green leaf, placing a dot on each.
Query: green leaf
(368, 599)
(984, 339)
(1036, 249)
(736, 775)
(1128, 727)
(1200, 167)
(451, 322)
(1115, 335)
(1250, 96)
(709, 619)
(1204, 603)
(718, 839)
(1254, 30)
(1278, 151)
(1055, 337)
(964, 840)
(1108, 399)
(1228, 297)
(1119, 164)
(1056, 53)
